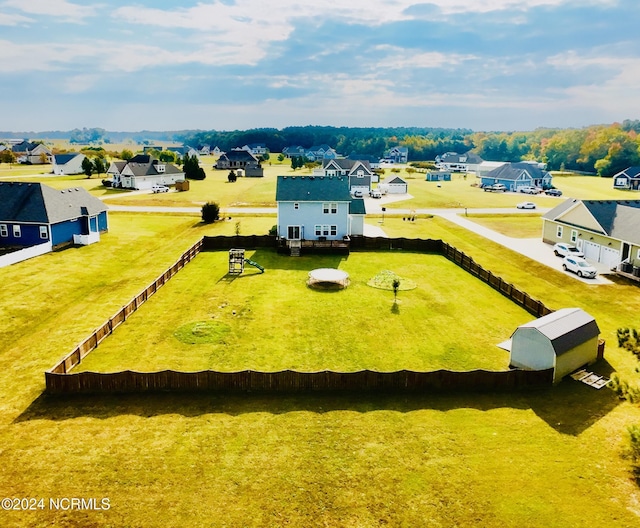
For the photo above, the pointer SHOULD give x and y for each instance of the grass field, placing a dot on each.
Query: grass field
(273, 321)
(549, 458)
(517, 226)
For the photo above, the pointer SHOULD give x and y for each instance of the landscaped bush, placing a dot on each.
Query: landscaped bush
(210, 212)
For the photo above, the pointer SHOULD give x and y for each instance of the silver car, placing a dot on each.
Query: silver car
(565, 250)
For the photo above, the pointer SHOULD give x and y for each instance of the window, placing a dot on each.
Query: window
(318, 230)
(296, 205)
(16, 231)
(4, 232)
(325, 230)
(574, 236)
(44, 232)
(329, 208)
(334, 230)
(559, 232)
(638, 256)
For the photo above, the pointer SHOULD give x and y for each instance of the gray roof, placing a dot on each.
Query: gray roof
(312, 189)
(38, 203)
(513, 171)
(239, 155)
(142, 165)
(565, 328)
(619, 219)
(394, 180)
(347, 164)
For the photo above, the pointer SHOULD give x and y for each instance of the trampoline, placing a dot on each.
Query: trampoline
(328, 278)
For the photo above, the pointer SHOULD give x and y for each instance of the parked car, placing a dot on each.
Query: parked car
(528, 190)
(565, 250)
(498, 187)
(156, 188)
(358, 194)
(526, 205)
(553, 192)
(579, 266)
(375, 193)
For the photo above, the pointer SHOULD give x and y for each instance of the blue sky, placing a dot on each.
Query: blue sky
(225, 64)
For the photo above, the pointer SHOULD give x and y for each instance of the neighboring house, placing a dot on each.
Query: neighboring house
(452, 161)
(628, 179)
(205, 150)
(70, 163)
(320, 152)
(216, 151)
(605, 231)
(34, 153)
(237, 159)
(33, 214)
(143, 172)
(564, 341)
(398, 154)
(293, 151)
(184, 150)
(317, 208)
(394, 185)
(257, 149)
(374, 161)
(516, 175)
(486, 167)
(358, 171)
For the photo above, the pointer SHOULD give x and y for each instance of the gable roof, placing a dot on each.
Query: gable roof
(565, 328)
(38, 203)
(23, 146)
(629, 172)
(312, 189)
(63, 159)
(239, 155)
(394, 179)
(356, 206)
(618, 219)
(513, 171)
(347, 164)
(143, 165)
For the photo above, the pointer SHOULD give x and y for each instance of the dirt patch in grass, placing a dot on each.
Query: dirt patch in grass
(202, 332)
(384, 281)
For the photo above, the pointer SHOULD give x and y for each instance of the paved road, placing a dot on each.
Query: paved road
(533, 248)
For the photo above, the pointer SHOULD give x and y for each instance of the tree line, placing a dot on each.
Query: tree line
(602, 149)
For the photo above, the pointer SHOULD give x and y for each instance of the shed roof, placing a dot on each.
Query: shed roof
(565, 328)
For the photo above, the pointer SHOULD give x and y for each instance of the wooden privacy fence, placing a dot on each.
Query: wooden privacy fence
(291, 381)
(80, 352)
(59, 380)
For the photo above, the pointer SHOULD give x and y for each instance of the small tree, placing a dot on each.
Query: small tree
(126, 154)
(99, 166)
(237, 228)
(87, 167)
(281, 157)
(396, 285)
(192, 169)
(210, 212)
(232, 176)
(7, 156)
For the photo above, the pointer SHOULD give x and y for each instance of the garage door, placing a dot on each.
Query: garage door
(609, 256)
(591, 250)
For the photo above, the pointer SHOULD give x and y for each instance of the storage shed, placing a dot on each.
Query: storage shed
(564, 340)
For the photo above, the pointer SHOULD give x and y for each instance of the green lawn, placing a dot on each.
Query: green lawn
(517, 225)
(273, 321)
(548, 458)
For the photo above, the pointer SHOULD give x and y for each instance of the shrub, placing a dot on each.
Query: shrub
(210, 212)
(273, 231)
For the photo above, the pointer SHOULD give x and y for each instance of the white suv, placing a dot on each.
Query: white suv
(579, 266)
(564, 250)
(159, 188)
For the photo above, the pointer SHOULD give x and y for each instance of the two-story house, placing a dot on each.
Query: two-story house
(317, 212)
(358, 171)
(143, 172)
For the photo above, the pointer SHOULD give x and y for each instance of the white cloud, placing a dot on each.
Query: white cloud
(7, 19)
(52, 8)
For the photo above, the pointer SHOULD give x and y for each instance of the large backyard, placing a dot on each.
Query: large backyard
(206, 319)
(552, 457)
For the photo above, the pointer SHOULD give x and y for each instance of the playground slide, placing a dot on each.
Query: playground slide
(255, 264)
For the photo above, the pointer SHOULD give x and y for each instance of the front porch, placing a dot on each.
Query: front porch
(627, 270)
